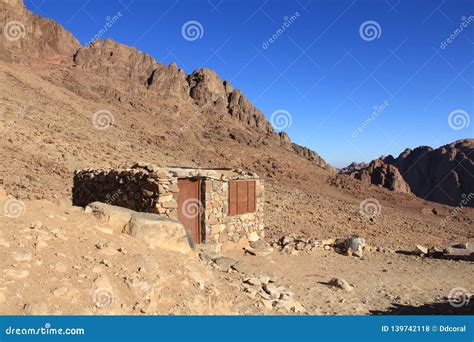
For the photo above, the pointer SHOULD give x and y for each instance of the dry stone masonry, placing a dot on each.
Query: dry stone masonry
(148, 188)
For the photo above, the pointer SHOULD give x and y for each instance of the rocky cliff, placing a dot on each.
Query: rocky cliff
(125, 74)
(444, 175)
(28, 38)
(380, 173)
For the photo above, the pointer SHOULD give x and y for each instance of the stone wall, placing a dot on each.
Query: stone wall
(134, 188)
(226, 230)
(148, 188)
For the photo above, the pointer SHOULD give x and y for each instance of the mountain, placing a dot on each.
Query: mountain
(380, 173)
(353, 167)
(64, 107)
(444, 175)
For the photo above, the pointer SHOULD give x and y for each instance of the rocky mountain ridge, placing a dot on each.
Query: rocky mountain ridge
(136, 75)
(444, 175)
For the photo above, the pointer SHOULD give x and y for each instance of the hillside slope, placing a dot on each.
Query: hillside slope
(108, 104)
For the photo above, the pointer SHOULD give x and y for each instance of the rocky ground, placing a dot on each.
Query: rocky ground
(55, 258)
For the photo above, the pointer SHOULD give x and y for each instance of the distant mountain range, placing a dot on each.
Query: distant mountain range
(444, 175)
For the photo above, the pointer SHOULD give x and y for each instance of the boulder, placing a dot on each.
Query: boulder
(158, 232)
(116, 217)
(421, 250)
(341, 283)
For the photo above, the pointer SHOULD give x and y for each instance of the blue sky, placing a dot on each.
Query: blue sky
(349, 93)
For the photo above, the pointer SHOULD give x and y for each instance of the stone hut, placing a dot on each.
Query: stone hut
(222, 206)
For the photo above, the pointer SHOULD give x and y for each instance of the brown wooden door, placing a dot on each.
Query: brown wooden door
(190, 207)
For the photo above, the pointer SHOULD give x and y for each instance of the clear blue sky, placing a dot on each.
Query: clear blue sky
(319, 69)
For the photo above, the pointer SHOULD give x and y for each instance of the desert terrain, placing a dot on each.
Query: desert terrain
(59, 259)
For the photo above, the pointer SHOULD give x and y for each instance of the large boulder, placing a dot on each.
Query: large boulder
(159, 232)
(115, 217)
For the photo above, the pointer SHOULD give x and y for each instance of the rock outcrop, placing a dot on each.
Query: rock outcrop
(443, 175)
(114, 72)
(380, 173)
(133, 67)
(28, 38)
(305, 152)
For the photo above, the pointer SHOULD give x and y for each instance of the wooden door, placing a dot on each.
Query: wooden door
(190, 207)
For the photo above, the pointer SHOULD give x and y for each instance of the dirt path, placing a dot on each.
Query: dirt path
(383, 282)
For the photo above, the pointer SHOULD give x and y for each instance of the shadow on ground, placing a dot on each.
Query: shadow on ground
(443, 308)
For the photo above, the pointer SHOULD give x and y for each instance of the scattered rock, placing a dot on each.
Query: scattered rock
(60, 291)
(341, 283)
(36, 309)
(16, 274)
(262, 251)
(21, 256)
(224, 263)
(421, 250)
(253, 236)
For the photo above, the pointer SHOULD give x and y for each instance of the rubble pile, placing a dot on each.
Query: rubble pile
(352, 245)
